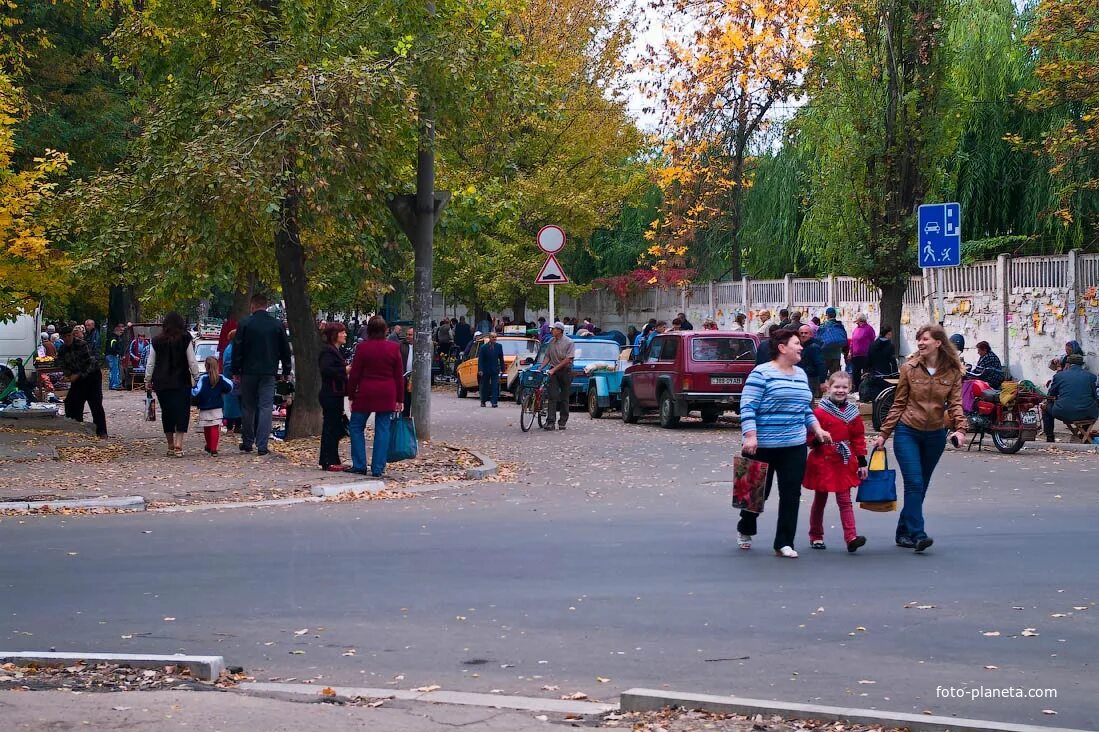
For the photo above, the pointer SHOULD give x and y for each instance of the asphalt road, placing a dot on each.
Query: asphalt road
(610, 557)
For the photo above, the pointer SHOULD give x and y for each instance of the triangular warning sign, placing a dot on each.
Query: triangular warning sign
(551, 273)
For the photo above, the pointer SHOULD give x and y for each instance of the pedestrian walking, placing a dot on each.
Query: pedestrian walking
(209, 393)
(92, 337)
(558, 359)
(230, 408)
(81, 368)
(776, 409)
(114, 351)
(171, 371)
(260, 345)
(859, 348)
(837, 468)
(833, 339)
(929, 395)
(333, 372)
(375, 386)
(490, 362)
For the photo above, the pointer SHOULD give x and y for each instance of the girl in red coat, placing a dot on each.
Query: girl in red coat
(837, 467)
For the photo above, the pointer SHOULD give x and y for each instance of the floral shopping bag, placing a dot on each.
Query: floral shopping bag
(749, 484)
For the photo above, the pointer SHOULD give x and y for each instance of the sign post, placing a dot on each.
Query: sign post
(939, 237)
(551, 240)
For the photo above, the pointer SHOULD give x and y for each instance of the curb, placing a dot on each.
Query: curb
(461, 698)
(487, 468)
(206, 668)
(651, 700)
(236, 504)
(335, 490)
(127, 503)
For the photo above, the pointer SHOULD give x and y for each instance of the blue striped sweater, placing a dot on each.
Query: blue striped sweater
(778, 407)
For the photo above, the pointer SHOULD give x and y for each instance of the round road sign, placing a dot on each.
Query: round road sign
(551, 239)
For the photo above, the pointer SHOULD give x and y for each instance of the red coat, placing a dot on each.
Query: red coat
(376, 382)
(825, 469)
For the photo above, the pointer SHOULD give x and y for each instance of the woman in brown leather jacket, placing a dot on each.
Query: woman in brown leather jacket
(929, 397)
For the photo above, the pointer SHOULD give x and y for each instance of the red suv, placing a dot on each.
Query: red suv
(687, 371)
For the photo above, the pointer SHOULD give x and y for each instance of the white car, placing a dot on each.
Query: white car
(203, 349)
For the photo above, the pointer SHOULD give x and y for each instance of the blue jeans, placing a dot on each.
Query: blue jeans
(257, 399)
(357, 429)
(114, 380)
(918, 453)
(490, 387)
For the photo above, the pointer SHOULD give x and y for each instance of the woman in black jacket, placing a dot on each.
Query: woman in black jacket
(171, 371)
(333, 390)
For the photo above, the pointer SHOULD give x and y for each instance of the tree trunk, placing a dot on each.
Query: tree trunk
(242, 296)
(892, 302)
(123, 306)
(305, 415)
(422, 246)
(519, 309)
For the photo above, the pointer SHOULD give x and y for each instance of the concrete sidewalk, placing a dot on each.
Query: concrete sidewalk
(214, 710)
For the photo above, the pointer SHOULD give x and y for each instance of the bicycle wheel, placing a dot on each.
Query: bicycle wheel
(526, 411)
(541, 400)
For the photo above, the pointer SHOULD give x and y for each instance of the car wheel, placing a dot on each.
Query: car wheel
(594, 410)
(629, 408)
(668, 418)
(462, 393)
(709, 416)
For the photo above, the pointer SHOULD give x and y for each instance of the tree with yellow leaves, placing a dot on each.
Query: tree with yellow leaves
(719, 87)
(29, 268)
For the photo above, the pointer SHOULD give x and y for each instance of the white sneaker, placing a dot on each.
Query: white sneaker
(744, 541)
(787, 552)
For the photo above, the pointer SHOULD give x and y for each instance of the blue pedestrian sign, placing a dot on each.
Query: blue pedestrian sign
(940, 235)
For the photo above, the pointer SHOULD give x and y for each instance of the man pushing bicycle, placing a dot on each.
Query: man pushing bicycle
(559, 357)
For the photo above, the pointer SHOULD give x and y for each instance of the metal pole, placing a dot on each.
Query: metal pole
(941, 316)
(552, 317)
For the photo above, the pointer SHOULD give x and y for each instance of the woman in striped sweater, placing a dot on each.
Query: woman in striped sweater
(776, 408)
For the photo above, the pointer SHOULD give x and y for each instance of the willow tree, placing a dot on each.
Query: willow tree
(880, 121)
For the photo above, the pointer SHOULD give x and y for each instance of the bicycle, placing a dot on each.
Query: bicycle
(533, 404)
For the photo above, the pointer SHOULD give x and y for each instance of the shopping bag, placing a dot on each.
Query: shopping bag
(879, 487)
(749, 484)
(150, 407)
(402, 439)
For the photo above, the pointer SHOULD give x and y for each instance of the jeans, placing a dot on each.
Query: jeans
(490, 387)
(114, 366)
(331, 429)
(788, 463)
(918, 453)
(88, 389)
(847, 515)
(558, 388)
(357, 428)
(257, 400)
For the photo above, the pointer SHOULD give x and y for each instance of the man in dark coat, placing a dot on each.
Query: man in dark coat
(490, 362)
(1072, 395)
(260, 345)
(812, 359)
(81, 368)
(463, 334)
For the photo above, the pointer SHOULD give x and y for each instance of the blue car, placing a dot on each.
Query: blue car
(594, 349)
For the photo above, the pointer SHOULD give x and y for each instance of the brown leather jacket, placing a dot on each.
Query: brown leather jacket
(926, 402)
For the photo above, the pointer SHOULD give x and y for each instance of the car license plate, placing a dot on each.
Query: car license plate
(726, 380)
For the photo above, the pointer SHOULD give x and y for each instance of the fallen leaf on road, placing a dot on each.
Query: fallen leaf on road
(575, 696)
(121, 709)
(328, 691)
(303, 631)
(1029, 632)
(1059, 615)
(1048, 711)
(73, 554)
(126, 637)
(1079, 607)
(991, 668)
(602, 679)
(168, 620)
(542, 718)
(376, 704)
(860, 629)
(427, 689)
(550, 687)
(297, 653)
(867, 681)
(991, 633)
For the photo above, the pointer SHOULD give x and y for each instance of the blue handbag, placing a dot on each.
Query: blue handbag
(402, 439)
(880, 484)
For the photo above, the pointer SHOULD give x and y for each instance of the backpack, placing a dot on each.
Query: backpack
(832, 333)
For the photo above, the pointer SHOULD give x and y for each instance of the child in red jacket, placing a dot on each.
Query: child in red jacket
(838, 467)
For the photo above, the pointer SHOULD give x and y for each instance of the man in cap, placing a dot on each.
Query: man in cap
(490, 362)
(558, 363)
(1072, 396)
(81, 368)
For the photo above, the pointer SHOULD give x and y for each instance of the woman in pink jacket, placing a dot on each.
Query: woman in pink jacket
(862, 337)
(375, 386)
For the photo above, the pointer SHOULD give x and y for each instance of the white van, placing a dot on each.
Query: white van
(19, 338)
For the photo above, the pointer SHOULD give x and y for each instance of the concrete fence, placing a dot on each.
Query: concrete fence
(1025, 307)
